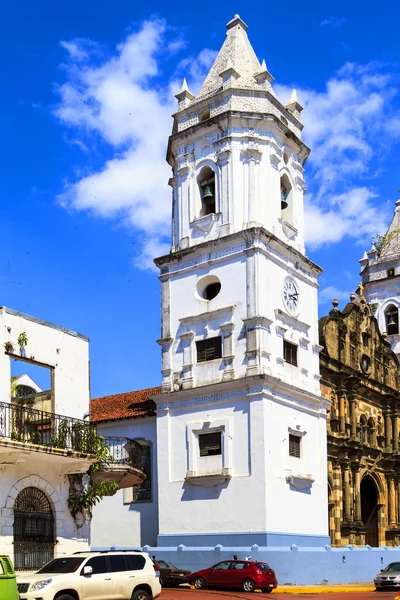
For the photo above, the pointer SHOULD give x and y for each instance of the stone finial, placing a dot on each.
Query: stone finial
(352, 297)
(184, 96)
(335, 303)
(236, 21)
(294, 106)
(263, 74)
(229, 72)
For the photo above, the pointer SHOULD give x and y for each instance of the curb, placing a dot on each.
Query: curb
(322, 589)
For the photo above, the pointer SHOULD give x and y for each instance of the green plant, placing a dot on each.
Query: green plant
(9, 347)
(82, 498)
(22, 339)
(381, 241)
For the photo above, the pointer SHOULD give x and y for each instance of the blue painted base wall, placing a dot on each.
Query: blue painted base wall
(293, 565)
(243, 539)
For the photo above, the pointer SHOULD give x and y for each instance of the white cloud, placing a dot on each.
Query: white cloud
(333, 21)
(330, 292)
(125, 102)
(343, 125)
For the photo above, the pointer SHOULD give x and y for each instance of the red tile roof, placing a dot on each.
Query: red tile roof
(123, 406)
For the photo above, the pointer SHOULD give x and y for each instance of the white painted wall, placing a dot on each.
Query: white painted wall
(64, 351)
(132, 524)
(258, 497)
(250, 285)
(48, 478)
(67, 354)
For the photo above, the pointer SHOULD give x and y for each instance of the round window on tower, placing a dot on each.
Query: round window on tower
(209, 287)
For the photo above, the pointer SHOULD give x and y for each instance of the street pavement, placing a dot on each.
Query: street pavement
(189, 594)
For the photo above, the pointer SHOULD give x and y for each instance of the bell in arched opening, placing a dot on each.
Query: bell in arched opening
(208, 195)
(284, 203)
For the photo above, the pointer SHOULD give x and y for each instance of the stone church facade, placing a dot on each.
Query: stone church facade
(359, 374)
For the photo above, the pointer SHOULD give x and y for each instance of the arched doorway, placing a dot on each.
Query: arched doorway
(369, 510)
(33, 530)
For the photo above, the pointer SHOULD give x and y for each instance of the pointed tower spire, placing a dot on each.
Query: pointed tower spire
(391, 241)
(236, 56)
(293, 106)
(184, 97)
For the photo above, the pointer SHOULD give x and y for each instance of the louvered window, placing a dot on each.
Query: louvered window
(290, 353)
(210, 444)
(209, 349)
(294, 445)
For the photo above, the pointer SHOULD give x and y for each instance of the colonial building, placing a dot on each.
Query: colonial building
(380, 271)
(134, 510)
(360, 376)
(45, 441)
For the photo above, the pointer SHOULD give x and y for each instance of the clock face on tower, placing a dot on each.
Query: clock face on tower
(291, 295)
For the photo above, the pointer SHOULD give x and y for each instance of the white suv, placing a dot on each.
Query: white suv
(93, 576)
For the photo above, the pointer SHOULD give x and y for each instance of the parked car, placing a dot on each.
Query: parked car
(94, 575)
(170, 575)
(389, 577)
(8, 584)
(245, 574)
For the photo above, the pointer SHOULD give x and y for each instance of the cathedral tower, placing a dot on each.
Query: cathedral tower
(380, 271)
(241, 417)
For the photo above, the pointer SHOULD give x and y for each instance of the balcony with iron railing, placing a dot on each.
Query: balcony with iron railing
(125, 465)
(50, 436)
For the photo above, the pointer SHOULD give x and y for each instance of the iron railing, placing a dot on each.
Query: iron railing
(124, 451)
(24, 424)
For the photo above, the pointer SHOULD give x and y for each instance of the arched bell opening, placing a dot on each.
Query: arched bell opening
(392, 320)
(286, 200)
(370, 510)
(206, 184)
(33, 530)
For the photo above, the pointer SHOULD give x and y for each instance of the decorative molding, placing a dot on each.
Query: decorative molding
(317, 348)
(208, 479)
(187, 335)
(300, 482)
(257, 321)
(291, 321)
(206, 222)
(208, 316)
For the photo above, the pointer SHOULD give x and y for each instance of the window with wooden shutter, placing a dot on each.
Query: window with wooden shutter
(209, 349)
(210, 443)
(294, 445)
(290, 353)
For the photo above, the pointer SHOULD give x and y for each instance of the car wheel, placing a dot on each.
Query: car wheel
(266, 590)
(199, 583)
(140, 595)
(378, 589)
(248, 585)
(65, 597)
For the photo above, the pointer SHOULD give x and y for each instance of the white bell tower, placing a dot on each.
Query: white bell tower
(240, 352)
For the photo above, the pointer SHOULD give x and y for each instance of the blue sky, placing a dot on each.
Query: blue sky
(86, 97)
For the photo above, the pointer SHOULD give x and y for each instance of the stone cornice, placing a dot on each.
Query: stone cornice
(252, 388)
(249, 236)
(304, 151)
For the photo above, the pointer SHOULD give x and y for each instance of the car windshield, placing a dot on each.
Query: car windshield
(392, 567)
(63, 565)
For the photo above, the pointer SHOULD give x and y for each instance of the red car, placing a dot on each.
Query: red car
(245, 574)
